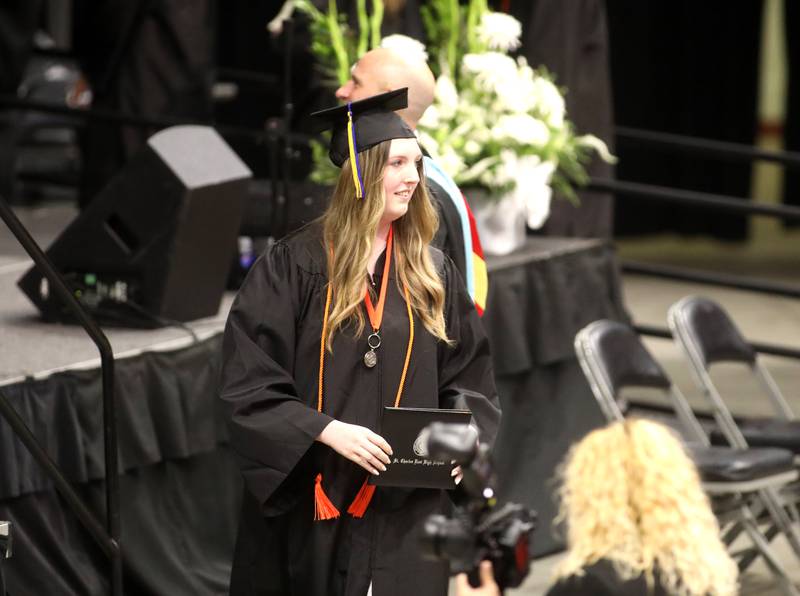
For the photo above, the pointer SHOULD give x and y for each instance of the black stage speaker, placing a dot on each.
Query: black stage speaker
(155, 245)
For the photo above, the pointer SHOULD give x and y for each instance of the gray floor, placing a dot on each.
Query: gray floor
(768, 319)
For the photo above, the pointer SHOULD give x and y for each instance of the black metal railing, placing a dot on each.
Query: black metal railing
(723, 150)
(693, 198)
(762, 348)
(736, 282)
(12, 102)
(702, 200)
(107, 536)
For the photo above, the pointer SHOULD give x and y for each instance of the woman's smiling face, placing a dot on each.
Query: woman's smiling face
(400, 177)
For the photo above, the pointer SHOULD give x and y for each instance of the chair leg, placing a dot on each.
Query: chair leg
(775, 507)
(749, 559)
(759, 510)
(765, 549)
(793, 514)
(732, 533)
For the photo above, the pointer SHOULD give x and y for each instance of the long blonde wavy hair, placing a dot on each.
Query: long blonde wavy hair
(631, 495)
(350, 225)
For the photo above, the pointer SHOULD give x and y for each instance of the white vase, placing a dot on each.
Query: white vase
(534, 192)
(503, 220)
(500, 220)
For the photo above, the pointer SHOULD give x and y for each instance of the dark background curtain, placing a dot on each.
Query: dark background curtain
(688, 68)
(149, 58)
(791, 184)
(571, 40)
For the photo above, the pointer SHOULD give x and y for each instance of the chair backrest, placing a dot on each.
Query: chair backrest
(613, 357)
(714, 335)
(707, 335)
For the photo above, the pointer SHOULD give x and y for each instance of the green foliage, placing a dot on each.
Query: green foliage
(451, 32)
(337, 47)
(324, 171)
(493, 117)
(334, 43)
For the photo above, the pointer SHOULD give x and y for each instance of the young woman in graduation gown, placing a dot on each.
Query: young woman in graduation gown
(305, 380)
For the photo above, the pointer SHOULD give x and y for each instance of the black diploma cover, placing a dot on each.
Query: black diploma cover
(410, 465)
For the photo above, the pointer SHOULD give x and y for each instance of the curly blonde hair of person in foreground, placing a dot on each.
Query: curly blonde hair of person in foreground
(630, 495)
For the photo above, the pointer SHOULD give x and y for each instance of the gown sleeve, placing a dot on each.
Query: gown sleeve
(271, 428)
(466, 378)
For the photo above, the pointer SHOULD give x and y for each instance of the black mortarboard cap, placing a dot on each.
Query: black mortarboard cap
(373, 121)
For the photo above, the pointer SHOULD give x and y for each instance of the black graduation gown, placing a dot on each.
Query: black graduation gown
(269, 382)
(450, 236)
(601, 579)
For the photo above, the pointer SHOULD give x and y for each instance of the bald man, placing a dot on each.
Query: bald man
(382, 70)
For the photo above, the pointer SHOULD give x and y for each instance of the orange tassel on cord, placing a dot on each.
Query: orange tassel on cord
(323, 508)
(359, 505)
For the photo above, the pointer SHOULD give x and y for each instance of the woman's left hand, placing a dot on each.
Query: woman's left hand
(458, 474)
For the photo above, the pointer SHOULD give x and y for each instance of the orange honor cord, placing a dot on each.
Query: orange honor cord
(408, 349)
(323, 508)
(359, 505)
(376, 314)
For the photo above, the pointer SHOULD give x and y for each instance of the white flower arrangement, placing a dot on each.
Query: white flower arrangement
(405, 46)
(499, 31)
(495, 122)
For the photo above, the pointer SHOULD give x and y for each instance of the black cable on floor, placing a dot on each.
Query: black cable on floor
(163, 322)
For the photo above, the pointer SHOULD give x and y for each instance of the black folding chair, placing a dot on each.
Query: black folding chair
(707, 336)
(740, 482)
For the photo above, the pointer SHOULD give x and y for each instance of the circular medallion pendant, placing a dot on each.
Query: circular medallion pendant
(370, 359)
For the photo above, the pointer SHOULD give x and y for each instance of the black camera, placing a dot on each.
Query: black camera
(480, 528)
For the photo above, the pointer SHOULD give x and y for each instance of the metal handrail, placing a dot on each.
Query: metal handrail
(109, 540)
(28, 439)
(115, 117)
(239, 74)
(703, 200)
(695, 198)
(762, 348)
(736, 282)
(711, 147)
(141, 121)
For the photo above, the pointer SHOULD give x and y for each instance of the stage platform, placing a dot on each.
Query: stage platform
(180, 488)
(34, 349)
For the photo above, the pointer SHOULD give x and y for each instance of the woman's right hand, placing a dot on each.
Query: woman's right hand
(488, 585)
(358, 444)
